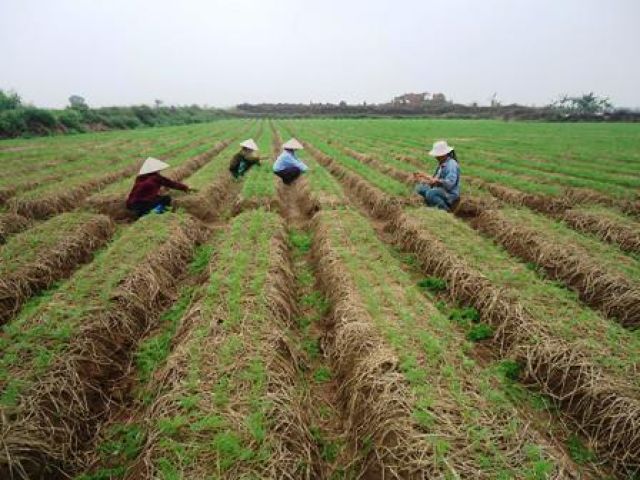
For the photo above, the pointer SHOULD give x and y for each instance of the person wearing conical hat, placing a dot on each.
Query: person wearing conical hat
(288, 167)
(145, 194)
(244, 159)
(442, 190)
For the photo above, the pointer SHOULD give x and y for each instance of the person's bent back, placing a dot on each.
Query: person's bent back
(145, 194)
(288, 167)
(244, 159)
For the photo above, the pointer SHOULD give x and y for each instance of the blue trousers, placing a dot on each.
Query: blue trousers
(433, 196)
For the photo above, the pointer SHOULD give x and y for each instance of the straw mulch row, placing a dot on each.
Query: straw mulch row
(539, 203)
(401, 176)
(374, 396)
(584, 196)
(208, 203)
(623, 235)
(561, 208)
(601, 409)
(632, 207)
(612, 295)
(380, 205)
(236, 364)
(10, 191)
(114, 205)
(388, 373)
(59, 399)
(11, 223)
(66, 199)
(599, 288)
(52, 262)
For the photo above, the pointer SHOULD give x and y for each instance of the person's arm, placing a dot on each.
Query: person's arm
(449, 178)
(298, 163)
(167, 182)
(252, 159)
(421, 177)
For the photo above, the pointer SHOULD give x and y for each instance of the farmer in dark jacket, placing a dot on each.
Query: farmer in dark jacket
(442, 190)
(244, 159)
(145, 195)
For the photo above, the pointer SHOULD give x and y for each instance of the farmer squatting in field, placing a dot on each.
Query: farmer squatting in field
(242, 161)
(288, 167)
(442, 190)
(145, 194)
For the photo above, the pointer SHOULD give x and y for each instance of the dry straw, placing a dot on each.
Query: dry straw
(54, 422)
(597, 404)
(293, 453)
(114, 204)
(626, 237)
(376, 202)
(602, 409)
(11, 223)
(55, 263)
(65, 200)
(373, 394)
(610, 293)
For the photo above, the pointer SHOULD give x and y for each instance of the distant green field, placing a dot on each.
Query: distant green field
(537, 157)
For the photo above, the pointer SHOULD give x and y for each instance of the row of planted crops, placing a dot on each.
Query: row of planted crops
(332, 329)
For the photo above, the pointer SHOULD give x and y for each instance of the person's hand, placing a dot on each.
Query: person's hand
(428, 179)
(192, 190)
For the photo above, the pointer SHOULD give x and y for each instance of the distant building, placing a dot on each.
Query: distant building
(412, 99)
(419, 99)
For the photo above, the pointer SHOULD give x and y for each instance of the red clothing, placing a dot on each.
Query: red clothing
(147, 187)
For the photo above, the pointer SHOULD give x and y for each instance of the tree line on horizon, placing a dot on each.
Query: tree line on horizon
(18, 119)
(585, 107)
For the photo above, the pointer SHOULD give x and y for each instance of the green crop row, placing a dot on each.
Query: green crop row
(609, 345)
(107, 156)
(510, 150)
(380, 180)
(218, 168)
(259, 182)
(214, 416)
(321, 183)
(47, 324)
(467, 423)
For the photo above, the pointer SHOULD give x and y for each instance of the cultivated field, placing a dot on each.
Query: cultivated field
(334, 329)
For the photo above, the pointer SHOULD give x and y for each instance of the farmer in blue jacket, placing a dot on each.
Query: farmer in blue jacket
(288, 167)
(442, 190)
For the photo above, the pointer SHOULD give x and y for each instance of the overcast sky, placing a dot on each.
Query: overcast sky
(223, 52)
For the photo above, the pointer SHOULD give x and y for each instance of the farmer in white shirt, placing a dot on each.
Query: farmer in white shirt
(288, 167)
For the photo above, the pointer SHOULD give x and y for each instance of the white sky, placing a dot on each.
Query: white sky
(223, 52)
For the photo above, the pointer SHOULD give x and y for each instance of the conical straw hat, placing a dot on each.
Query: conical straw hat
(293, 144)
(151, 165)
(250, 144)
(440, 148)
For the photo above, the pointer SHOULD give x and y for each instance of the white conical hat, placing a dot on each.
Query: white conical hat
(440, 148)
(250, 144)
(293, 144)
(151, 165)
